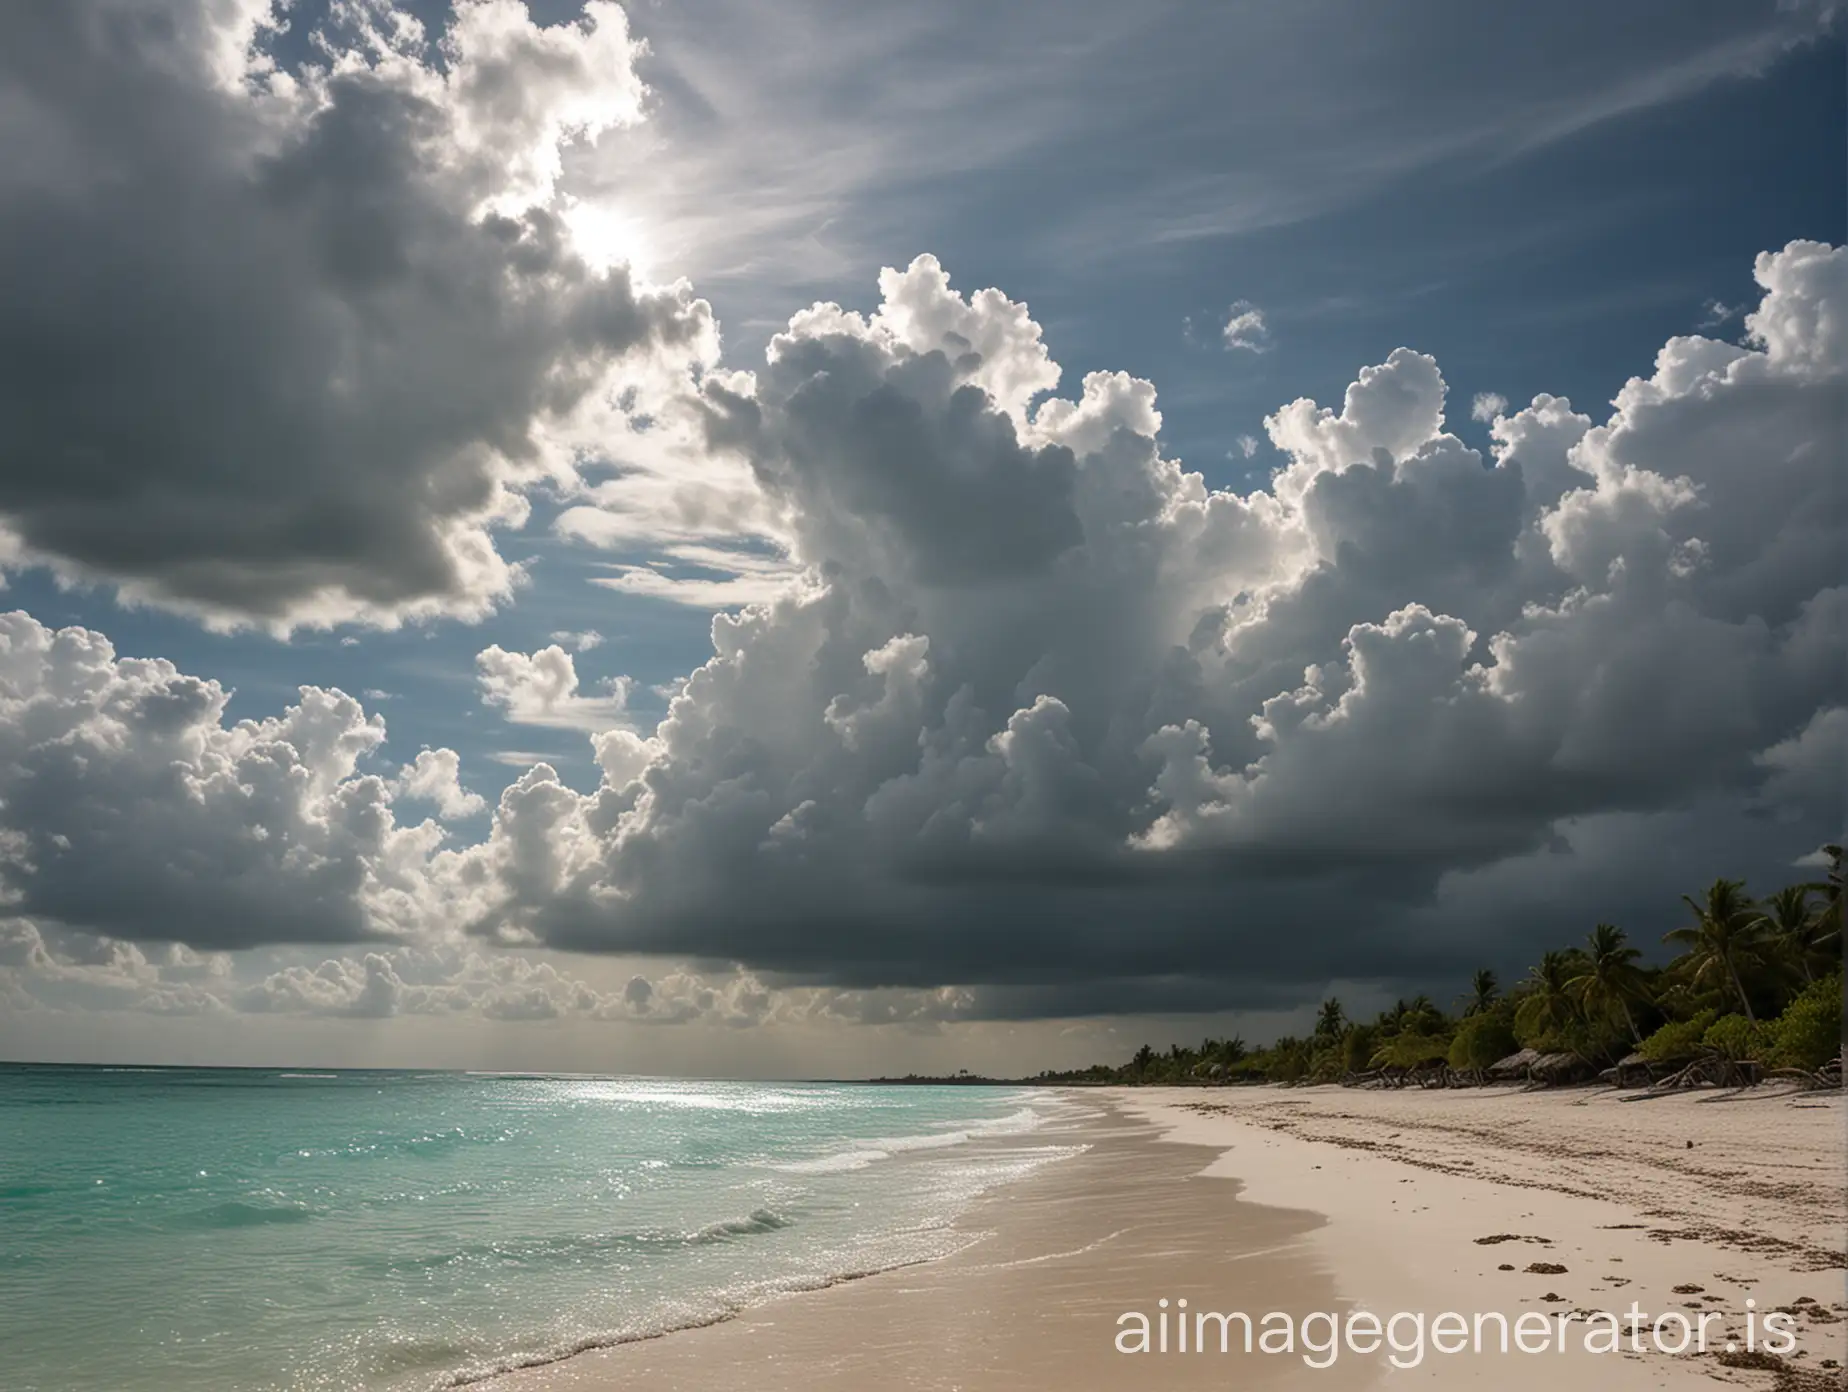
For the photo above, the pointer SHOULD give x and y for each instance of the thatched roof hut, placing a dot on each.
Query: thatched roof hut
(1515, 1065)
(1632, 1070)
(1560, 1068)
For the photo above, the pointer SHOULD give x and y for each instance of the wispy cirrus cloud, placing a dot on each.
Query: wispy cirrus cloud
(1201, 124)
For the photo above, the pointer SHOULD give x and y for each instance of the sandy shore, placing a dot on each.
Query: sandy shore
(1326, 1200)
(1694, 1202)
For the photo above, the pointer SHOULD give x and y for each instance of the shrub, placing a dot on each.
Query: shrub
(1325, 1063)
(1286, 1061)
(1357, 1047)
(1735, 1037)
(1411, 1051)
(1678, 1039)
(1809, 1032)
(1482, 1040)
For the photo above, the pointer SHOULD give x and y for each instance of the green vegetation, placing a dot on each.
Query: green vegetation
(1735, 1038)
(1809, 1033)
(1481, 1041)
(1756, 989)
(1679, 1040)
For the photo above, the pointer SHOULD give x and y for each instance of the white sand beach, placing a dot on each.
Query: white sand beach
(1692, 1202)
(1337, 1200)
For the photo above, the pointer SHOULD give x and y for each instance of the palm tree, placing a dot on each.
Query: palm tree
(1549, 1003)
(1794, 927)
(1609, 977)
(1331, 1021)
(1829, 913)
(1421, 1015)
(1484, 990)
(1726, 935)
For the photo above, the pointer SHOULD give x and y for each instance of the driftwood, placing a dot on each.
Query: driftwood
(1719, 1071)
(1538, 1070)
(1827, 1076)
(1395, 1076)
(1713, 1069)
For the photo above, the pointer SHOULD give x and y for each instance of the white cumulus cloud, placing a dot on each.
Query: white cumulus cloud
(350, 329)
(435, 775)
(1045, 715)
(542, 689)
(1245, 328)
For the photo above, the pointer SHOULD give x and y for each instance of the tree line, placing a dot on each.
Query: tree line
(1756, 987)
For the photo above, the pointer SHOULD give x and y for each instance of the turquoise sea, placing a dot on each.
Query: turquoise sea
(255, 1229)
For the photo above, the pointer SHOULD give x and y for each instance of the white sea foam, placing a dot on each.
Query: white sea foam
(1016, 1123)
(838, 1163)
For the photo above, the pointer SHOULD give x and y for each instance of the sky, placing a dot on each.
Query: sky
(695, 537)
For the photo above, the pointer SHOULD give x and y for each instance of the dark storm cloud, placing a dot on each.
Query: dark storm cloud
(1244, 738)
(130, 808)
(1196, 750)
(1045, 718)
(282, 349)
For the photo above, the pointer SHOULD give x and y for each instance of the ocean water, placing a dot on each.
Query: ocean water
(251, 1229)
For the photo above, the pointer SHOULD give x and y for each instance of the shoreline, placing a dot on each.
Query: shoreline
(1340, 1200)
(1031, 1301)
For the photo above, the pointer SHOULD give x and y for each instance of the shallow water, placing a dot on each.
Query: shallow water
(267, 1229)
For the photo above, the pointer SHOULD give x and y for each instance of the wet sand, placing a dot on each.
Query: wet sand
(1032, 1302)
(1328, 1199)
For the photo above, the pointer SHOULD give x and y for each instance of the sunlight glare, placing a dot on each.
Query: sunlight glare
(607, 237)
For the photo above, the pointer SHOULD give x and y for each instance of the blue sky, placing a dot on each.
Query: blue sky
(1539, 198)
(1524, 260)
